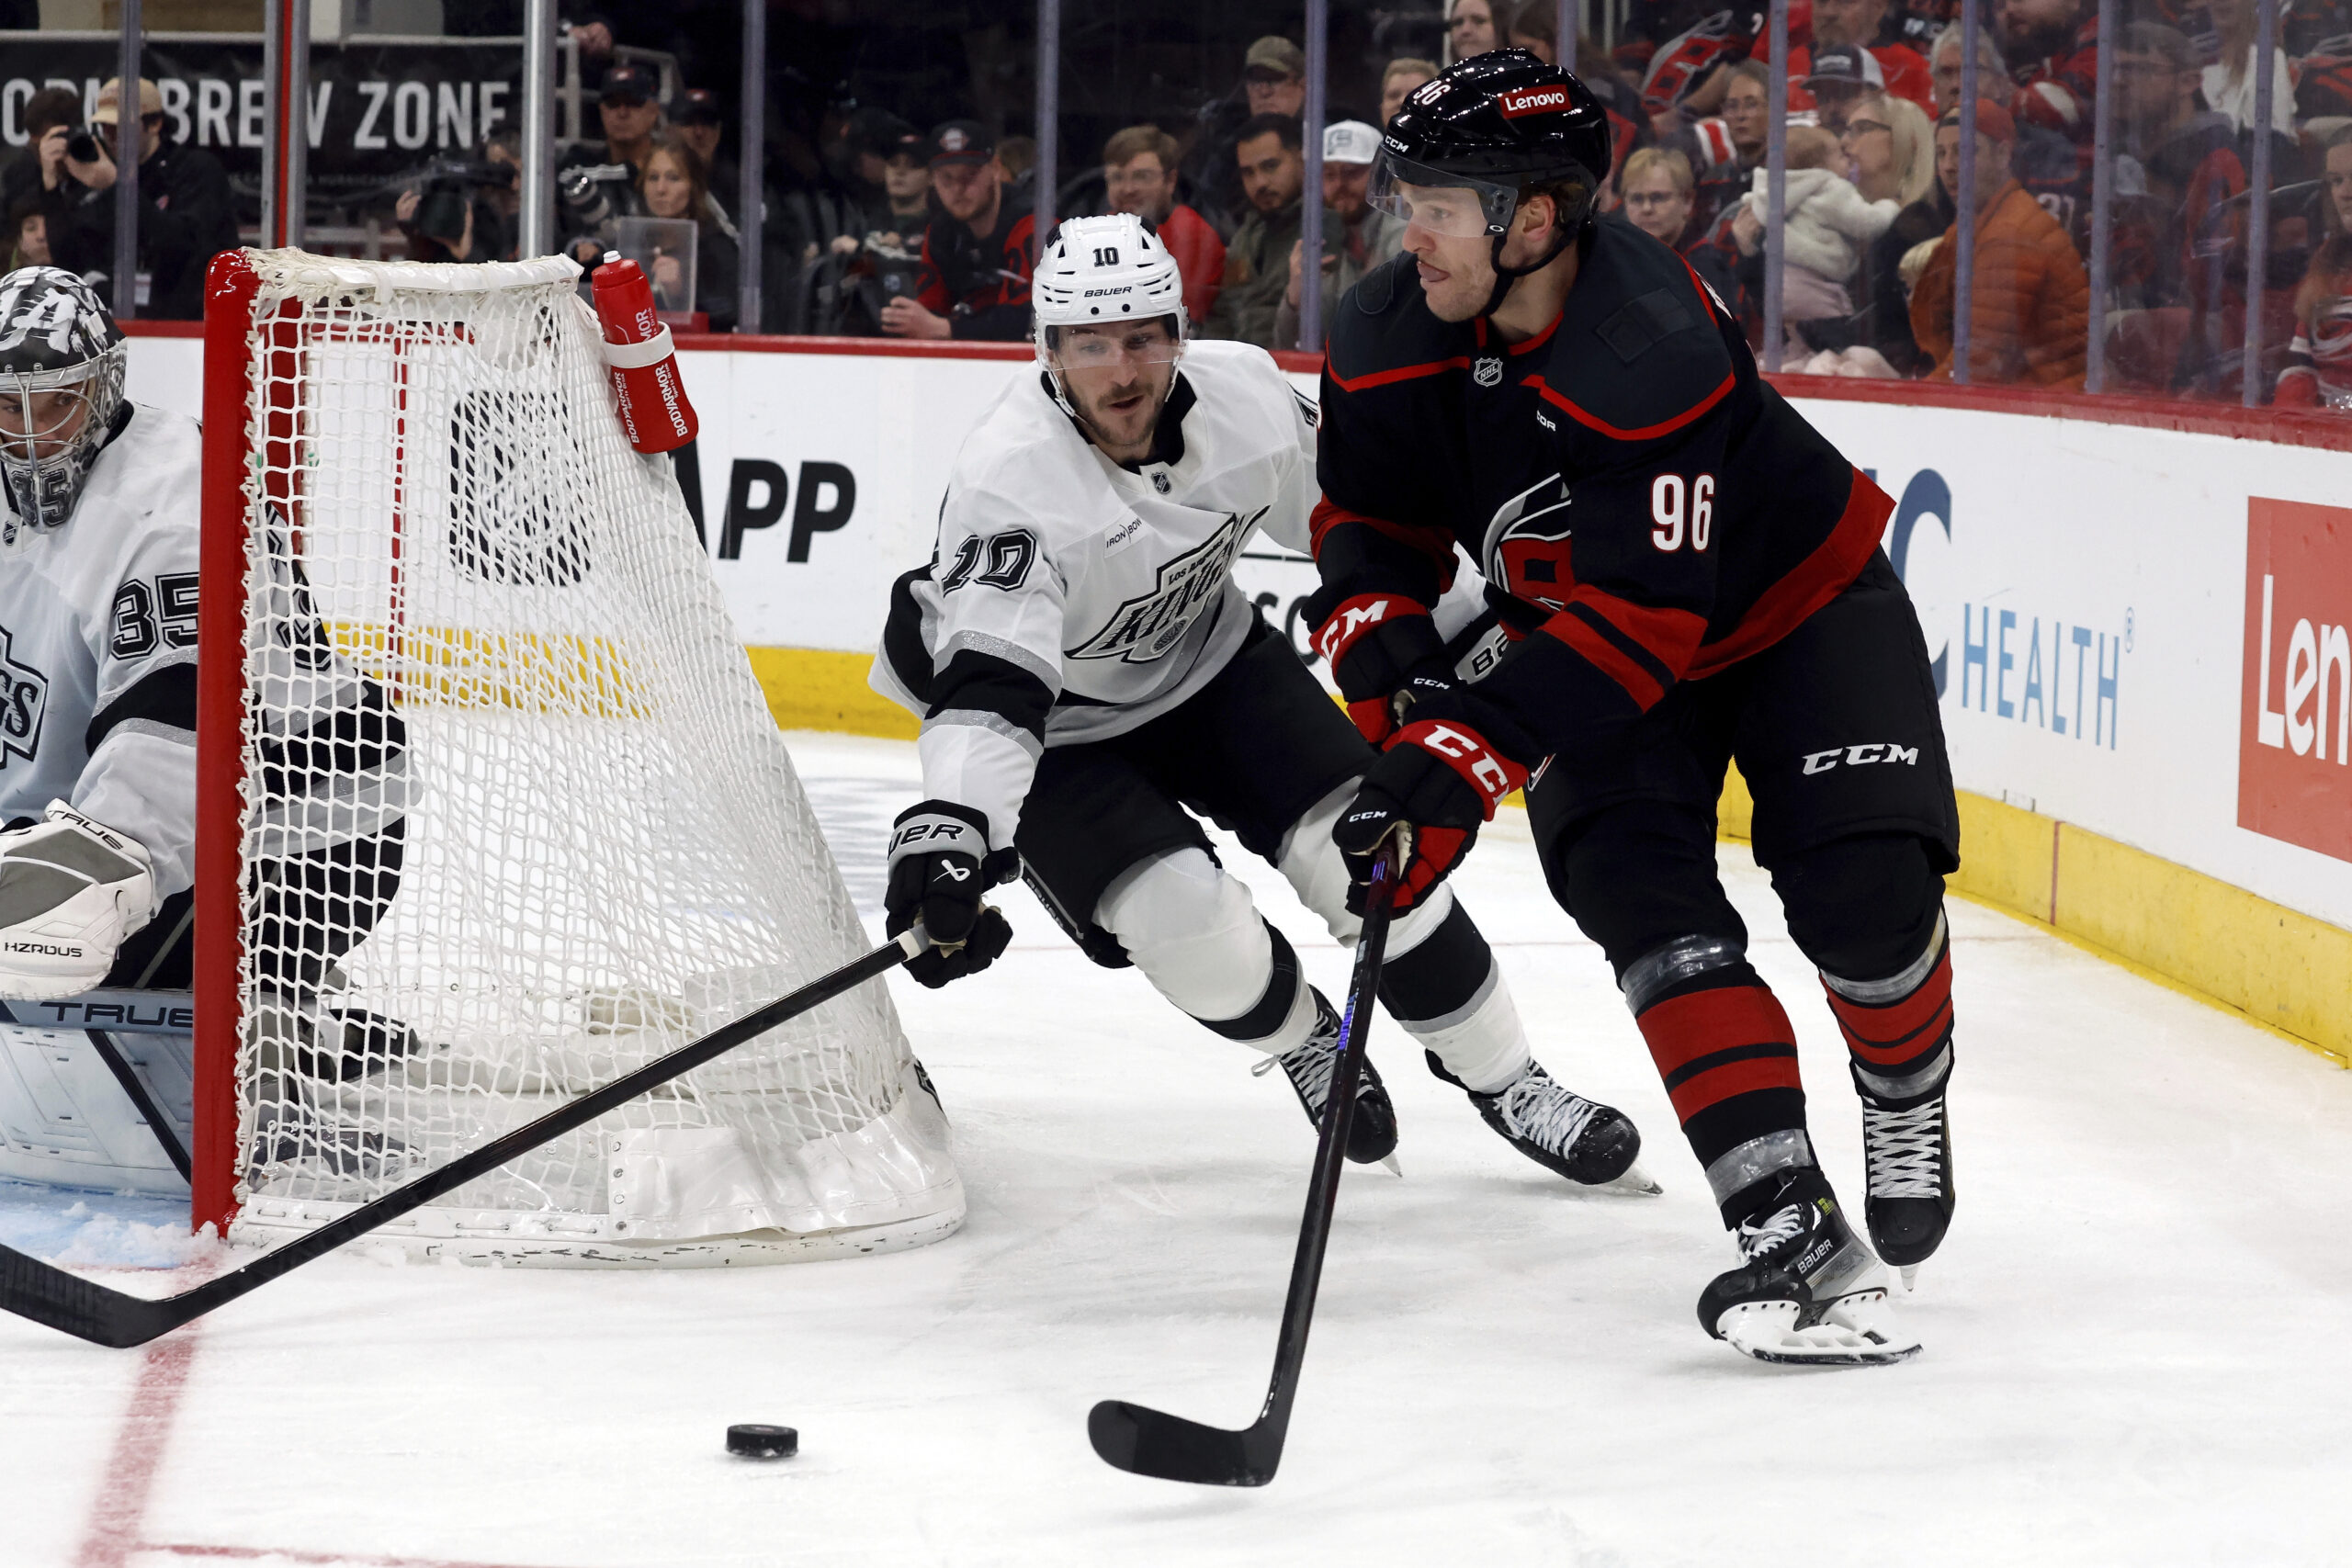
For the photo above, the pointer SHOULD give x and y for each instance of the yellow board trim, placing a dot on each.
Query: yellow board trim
(2277, 968)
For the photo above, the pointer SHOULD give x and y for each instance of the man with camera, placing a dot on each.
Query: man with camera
(978, 254)
(598, 186)
(184, 213)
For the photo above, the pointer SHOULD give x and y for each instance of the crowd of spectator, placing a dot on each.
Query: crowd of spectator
(924, 228)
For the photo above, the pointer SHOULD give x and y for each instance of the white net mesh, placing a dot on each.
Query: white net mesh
(516, 819)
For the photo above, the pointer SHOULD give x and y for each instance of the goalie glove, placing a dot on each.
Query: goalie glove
(1442, 779)
(71, 891)
(941, 869)
(1384, 653)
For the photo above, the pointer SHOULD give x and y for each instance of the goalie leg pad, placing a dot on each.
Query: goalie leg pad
(71, 890)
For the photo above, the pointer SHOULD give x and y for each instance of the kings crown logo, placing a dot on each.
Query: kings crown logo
(1148, 625)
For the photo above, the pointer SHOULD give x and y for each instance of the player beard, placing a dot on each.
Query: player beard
(1122, 418)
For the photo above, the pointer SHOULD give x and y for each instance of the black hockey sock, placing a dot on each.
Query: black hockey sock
(1899, 1030)
(1728, 1057)
(1443, 974)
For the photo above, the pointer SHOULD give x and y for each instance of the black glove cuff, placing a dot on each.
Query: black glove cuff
(940, 827)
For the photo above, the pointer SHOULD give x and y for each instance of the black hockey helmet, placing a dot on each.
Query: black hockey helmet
(62, 360)
(1501, 125)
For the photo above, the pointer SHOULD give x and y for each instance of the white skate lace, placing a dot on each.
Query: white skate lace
(1756, 1238)
(1539, 1110)
(1309, 1065)
(1905, 1150)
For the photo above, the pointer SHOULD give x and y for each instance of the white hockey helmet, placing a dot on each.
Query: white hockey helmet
(1101, 270)
(61, 370)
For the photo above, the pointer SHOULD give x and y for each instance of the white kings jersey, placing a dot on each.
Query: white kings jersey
(97, 649)
(1073, 599)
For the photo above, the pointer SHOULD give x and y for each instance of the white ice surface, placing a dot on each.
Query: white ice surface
(2137, 1346)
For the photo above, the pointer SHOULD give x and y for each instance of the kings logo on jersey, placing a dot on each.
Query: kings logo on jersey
(24, 699)
(1147, 627)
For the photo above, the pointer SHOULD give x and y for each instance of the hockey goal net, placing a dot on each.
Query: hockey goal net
(492, 811)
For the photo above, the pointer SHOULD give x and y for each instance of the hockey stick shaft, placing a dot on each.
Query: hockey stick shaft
(1152, 1442)
(135, 1091)
(47, 1294)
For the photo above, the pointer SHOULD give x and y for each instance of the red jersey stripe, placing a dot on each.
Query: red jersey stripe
(1402, 373)
(1607, 657)
(1641, 432)
(1813, 583)
(1671, 637)
(1436, 543)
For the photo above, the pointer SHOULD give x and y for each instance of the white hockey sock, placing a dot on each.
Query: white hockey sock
(1482, 1043)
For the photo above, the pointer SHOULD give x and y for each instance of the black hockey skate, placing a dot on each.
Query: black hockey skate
(1808, 1292)
(1371, 1135)
(1907, 1146)
(1591, 1143)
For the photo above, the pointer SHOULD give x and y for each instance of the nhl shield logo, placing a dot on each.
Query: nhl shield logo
(1160, 481)
(1488, 372)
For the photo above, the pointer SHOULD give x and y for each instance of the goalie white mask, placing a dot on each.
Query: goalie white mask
(1099, 272)
(60, 386)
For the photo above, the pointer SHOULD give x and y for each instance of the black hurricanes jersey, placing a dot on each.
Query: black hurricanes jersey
(1644, 507)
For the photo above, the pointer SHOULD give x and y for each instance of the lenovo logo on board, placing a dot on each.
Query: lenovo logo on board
(1531, 100)
(2295, 723)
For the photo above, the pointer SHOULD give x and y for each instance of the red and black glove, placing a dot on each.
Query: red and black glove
(1441, 777)
(1379, 645)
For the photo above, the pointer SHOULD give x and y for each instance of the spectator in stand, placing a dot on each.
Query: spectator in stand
(1356, 236)
(1398, 81)
(1273, 168)
(596, 184)
(1659, 195)
(1274, 77)
(2228, 82)
(1016, 155)
(2050, 50)
(1944, 64)
(1470, 28)
(1841, 76)
(674, 185)
(1139, 176)
(1825, 226)
(701, 127)
(1891, 147)
(2319, 367)
(906, 185)
(185, 216)
(27, 234)
(49, 120)
(1273, 80)
(2336, 178)
(1724, 152)
(2182, 157)
(503, 149)
(447, 223)
(2031, 303)
(1862, 25)
(978, 254)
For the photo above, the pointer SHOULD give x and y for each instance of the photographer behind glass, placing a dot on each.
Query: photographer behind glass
(597, 185)
(451, 211)
(184, 213)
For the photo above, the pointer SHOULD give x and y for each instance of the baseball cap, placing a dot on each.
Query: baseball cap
(1992, 120)
(1350, 141)
(1276, 55)
(108, 110)
(962, 140)
(698, 107)
(627, 84)
(1845, 64)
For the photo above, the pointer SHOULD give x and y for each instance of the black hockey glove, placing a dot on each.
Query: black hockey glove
(1442, 778)
(1380, 646)
(940, 870)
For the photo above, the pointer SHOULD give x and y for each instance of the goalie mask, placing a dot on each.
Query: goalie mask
(61, 388)
(1102, 272)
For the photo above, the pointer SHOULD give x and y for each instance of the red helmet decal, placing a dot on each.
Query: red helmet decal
(1531, 100)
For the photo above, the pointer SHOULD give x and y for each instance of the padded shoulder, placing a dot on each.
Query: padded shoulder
(1385, 332)
(1638, 351)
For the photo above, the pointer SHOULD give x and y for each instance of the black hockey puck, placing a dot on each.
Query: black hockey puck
(754, 1441)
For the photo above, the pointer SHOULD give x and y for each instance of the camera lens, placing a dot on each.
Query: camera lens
(82, 147)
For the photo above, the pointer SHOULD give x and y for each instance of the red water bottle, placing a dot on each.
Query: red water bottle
(641, 360)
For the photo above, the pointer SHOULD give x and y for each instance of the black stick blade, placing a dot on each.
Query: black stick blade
(1143, 1441)
(83, 1308)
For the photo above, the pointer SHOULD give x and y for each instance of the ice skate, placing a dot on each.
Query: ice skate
(1907, 1151)
(1372, 1136)
(1591, 1143)
(1807, 1292)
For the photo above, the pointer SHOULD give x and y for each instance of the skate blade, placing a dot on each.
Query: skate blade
(1859, 1330)
(1389, 1161)
(1632, 1182)
(1910, 1272)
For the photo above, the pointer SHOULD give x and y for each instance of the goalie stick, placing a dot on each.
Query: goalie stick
(87, 1310)
(1144, 1441)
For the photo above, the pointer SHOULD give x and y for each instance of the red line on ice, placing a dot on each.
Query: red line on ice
(325, 1559)
(122, 1506)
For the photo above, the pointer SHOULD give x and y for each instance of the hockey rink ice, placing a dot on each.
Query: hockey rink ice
(2138, 1338)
